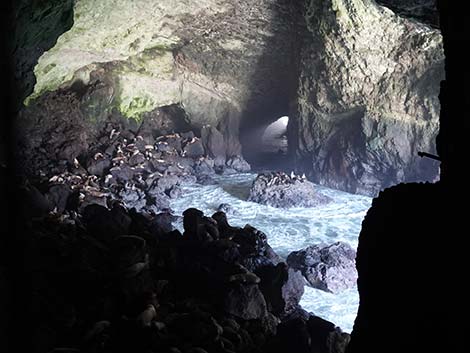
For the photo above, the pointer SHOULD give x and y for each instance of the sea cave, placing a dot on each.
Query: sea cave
(231, 176)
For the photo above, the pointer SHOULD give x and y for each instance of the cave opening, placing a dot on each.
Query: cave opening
(266, 146)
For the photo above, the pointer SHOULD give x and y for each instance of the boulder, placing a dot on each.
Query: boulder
(245, 302)
(99, 166)
(330, 268)
(278, 189)
(194, 148)
(58, 195)
(238, 164)
(282, 288)
(129, 256)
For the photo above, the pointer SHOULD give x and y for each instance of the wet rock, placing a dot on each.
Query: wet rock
(122, 173)
(34, 203)
(104, 224)
(198, 227)
(136, 159)
(204, 166)
(158, 201)
(278, 189)
(129, 255)
(58, 195)
(206, 180)
(293, 336)
(331, 268)
(360, 126)
(162, 222)
(238, 164)
(188, 135)
(245, 301)
(213, 143)
(133, 197)
(226, 208)
(92, 199)
(98, 167)
(282, 287)
(194, 148)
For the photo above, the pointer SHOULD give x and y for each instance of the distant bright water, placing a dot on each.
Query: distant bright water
(289, 230)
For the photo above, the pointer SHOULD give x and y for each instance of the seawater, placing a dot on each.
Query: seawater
(290, 230)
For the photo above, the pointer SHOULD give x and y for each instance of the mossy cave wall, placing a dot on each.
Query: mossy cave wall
(359, 82)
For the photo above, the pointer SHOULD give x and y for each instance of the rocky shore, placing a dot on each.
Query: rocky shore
(112, 274)
(117, 280)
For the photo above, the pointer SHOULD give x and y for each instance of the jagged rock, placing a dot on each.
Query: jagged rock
(277, 189)
(162, 223)
(225, 208)
(282, 287)
(158, 200)
(214, 145)
(238, 164)
(204, 166)
(331, 268)
(368, 96)
(105, 224)
(245, 302)
(194, 148)
(34, 203)
(122, 173)
(206, 180)
(98, 167)
(129, 255)
(198, 227)
(133, 197)
(58, 195)
(136, 159)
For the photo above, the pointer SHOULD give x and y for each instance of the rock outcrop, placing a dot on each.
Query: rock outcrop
(368, 96)
(278, 189)
(331, 268)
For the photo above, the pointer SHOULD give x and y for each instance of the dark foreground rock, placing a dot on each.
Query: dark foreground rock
(330, 268)
(278, 189)
(117, 280)
(419, 315)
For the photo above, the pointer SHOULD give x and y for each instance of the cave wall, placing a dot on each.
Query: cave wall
(221, 61)
(411, 301)
(359, 82)
(368, 96)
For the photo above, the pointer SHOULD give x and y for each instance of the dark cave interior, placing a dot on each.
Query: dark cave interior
(410, 259)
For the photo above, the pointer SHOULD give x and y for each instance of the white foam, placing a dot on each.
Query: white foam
(289, 230)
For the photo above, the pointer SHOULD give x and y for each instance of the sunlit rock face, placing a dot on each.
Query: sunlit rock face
(217, 59)
(368, 96)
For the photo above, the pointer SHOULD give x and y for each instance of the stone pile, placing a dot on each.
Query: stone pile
(142, 171)
(116, 280)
